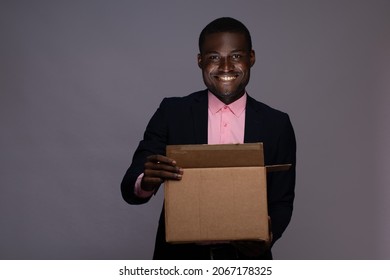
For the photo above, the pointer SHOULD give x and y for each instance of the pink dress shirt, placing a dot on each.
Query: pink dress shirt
(226, 125)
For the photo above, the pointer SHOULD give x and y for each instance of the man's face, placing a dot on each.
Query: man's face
(225, 60)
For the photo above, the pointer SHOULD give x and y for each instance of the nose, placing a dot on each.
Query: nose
(225, 64)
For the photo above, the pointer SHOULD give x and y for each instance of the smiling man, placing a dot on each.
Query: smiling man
(225, 59)
(223, 113)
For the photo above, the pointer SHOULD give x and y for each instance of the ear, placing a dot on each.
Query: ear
(199, 60)
(252, 57)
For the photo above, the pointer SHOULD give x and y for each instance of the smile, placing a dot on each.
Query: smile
(227, 78)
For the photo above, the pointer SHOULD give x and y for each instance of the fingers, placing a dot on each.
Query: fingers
(161, 167)
(163, 172)
(157, 169)
(158, 159)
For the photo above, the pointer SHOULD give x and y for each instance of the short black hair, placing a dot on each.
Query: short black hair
(225, 24)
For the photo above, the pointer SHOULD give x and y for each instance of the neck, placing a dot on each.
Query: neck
(227, 99)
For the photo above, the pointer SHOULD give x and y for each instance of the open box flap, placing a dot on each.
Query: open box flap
(225, 155)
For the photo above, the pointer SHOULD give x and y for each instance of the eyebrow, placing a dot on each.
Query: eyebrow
(238, 51)
(233, 51)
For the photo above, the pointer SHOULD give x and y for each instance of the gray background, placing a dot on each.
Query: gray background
(79, 81)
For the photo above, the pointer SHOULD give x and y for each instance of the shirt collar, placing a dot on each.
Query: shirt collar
(237, 107)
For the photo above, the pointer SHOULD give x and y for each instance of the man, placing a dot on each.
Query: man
(222, 114)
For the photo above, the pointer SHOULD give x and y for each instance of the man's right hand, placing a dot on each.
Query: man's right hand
(159, 168)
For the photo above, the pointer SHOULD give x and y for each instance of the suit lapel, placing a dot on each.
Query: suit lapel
(254, 129)
(200, 116)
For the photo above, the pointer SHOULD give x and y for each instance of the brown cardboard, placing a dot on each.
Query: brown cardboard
(226, 155)
(222, 195)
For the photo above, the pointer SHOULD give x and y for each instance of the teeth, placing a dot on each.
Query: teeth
(227, 78)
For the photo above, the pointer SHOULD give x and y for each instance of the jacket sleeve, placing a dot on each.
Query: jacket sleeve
(281, 185)
(153, 142)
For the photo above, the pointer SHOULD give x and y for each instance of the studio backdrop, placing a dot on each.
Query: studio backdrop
(79, 80)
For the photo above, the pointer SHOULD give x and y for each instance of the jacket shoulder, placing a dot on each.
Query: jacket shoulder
(197, 96)
(266, 110)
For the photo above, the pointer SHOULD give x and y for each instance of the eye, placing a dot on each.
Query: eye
(236, 56)
(214, 57)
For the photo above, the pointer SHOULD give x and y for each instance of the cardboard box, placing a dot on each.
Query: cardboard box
(222, 195)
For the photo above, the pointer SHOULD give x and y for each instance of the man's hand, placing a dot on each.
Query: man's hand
(159, 168)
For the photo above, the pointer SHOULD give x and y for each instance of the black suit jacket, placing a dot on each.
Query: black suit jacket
(184, 120)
